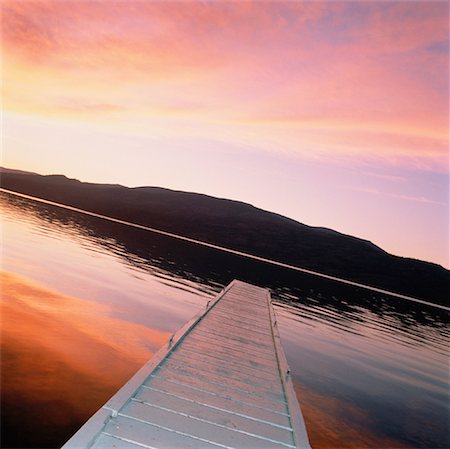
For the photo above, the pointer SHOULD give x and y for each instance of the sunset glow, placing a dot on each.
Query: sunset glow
(332, 113)
(44, 339)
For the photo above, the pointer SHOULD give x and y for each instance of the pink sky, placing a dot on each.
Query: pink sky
(334, 114)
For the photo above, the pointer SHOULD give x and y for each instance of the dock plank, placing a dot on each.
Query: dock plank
(196, 427)
(220, 402)
(222, 381)
(228, 371)
(225, 417)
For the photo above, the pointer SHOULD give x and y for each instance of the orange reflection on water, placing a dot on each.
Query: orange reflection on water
(327, 428)
(65, 354)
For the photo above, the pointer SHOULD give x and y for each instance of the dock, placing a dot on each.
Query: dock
(221, 381)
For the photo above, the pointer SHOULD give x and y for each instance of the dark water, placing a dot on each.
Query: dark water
(86, 302)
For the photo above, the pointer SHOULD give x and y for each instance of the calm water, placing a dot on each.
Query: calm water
(86, 302)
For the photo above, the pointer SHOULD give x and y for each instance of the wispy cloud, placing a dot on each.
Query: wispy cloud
(302, 77)
(85, 106)
(414, 198)
(391, 178)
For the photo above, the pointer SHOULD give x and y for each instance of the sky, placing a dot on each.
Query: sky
(335, 114)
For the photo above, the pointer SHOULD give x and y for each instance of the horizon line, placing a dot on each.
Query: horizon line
(280, 214)
(227, 250)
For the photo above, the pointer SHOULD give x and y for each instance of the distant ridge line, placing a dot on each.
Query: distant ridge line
(227, 250)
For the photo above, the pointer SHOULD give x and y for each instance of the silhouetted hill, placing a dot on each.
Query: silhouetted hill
(245, 228)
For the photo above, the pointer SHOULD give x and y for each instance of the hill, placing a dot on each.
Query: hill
(245, 228)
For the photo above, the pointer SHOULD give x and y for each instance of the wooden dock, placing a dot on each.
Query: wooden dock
(221, 381)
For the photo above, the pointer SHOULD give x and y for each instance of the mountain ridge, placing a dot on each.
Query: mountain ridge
(242, 227)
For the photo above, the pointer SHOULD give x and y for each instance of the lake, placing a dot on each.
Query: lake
(86, 302)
